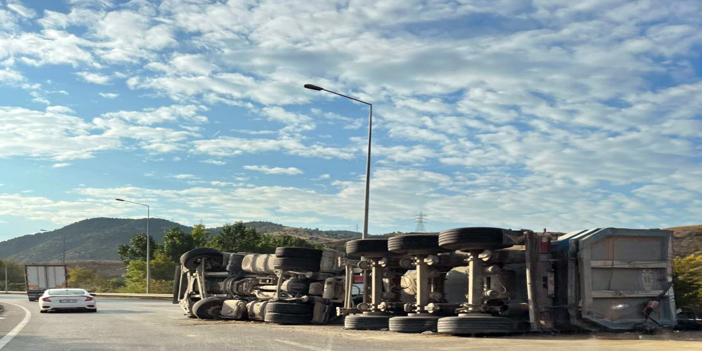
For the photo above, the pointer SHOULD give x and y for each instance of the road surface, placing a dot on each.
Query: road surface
(122, 324)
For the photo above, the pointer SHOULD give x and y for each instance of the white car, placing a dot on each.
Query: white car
(67, 299)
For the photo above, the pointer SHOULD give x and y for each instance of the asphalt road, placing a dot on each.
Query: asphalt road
(122, 324)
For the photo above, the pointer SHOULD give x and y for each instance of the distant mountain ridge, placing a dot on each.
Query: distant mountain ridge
(98, 238)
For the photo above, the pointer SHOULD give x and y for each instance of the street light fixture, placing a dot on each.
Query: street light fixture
(148, 244)
(368, 158)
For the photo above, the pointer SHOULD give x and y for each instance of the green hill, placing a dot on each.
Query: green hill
(98, 238)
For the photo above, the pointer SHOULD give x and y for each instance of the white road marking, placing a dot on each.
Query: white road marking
(297, 344)
(18, 328)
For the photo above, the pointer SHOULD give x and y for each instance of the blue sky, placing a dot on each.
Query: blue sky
(524, 114)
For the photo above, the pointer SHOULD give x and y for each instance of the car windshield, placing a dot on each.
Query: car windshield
(56, 292)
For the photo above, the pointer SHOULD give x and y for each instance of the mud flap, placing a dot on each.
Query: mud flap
(321, 313)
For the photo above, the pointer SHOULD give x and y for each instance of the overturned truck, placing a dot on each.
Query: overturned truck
(607, 279)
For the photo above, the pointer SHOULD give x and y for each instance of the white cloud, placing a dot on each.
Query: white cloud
(185, 176)
(281, 115)
(95, 78)
(214, 162)
(60, 165)
(322, 177)
(47, 47)
(186, 113)
(548, 100)
(230, 146)
(275, 170)
(20, 9)
(57, 135)
(60, 109)
(7, 75)
(194, 64)
(109, 95)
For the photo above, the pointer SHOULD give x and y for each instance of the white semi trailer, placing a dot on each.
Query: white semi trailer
(41, 277)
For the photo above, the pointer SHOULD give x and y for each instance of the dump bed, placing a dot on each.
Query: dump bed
(613, 273)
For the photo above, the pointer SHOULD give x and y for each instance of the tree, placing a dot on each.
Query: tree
(15, 276)
(85, 278)
(176, 243)
(687, 282)
(162, 269)
(236, 238)
(200, 236)
(269, 243)
(136, 249)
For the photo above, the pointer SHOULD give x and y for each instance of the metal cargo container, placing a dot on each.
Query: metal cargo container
(42, 277)
(614, 274)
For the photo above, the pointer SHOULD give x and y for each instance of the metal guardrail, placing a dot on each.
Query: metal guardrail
(112, 295)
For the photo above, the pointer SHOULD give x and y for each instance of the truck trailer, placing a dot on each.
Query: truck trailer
(41, 277)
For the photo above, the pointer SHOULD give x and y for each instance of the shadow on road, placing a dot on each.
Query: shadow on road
(100, 311)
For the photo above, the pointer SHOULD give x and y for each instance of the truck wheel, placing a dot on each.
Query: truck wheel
(296, 264)
(287, 318)
(366, 322)
(288, 308)
(208, 308)
(476, 238)
(413, 323)
(192, 258)
(234, 263)
(470, 324)
(298, 252)
(415, 244)
(367, 247)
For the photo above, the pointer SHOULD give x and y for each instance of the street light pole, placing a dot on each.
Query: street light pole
(148, 244)
(368, 157)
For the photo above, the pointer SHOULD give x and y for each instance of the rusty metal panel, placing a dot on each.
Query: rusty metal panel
(613, 296)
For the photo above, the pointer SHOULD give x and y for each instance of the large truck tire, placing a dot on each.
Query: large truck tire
(415, 244)
(208, 308)
(477, 323)
(367, 247)
(478, 238)
(193, 258)
(234, 264)
(296, 264)
(289, 308)
(298, 252)
(287, 318)
(366, 322)
(413, 323)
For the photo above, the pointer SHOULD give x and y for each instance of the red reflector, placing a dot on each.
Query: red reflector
(545, 243)
(46, 299)
(88, 298)
(358, 279)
